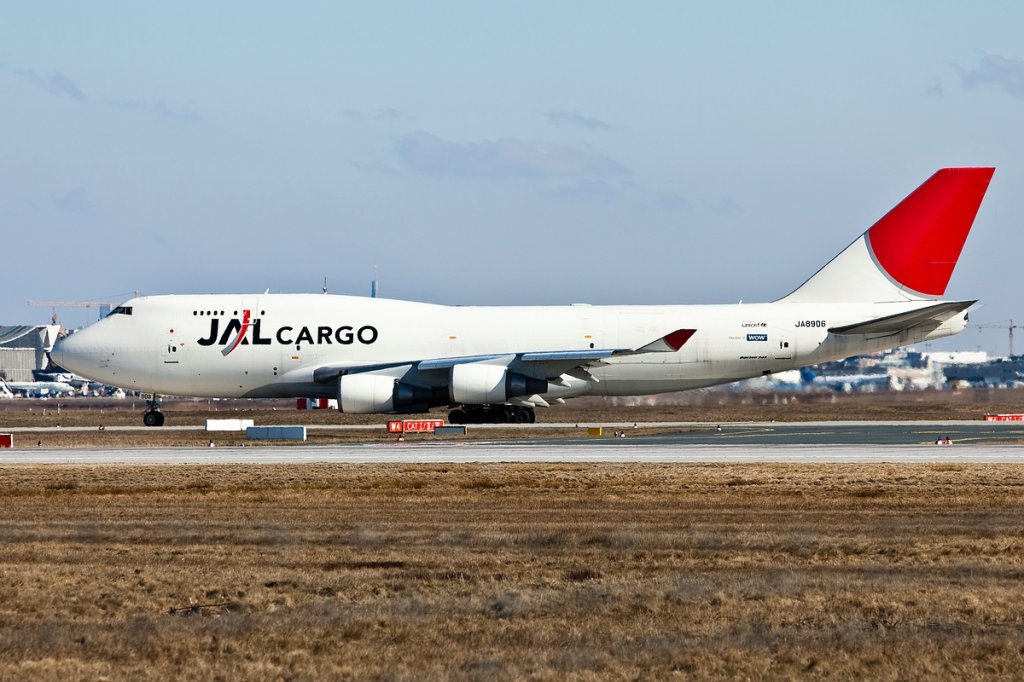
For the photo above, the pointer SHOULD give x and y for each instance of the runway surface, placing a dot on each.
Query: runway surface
(466, 452)
(694, 433)
(824, 442)
(504, 452)
(841, 433)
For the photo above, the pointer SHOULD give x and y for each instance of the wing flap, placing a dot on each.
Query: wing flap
(894, 324)
(448, 363)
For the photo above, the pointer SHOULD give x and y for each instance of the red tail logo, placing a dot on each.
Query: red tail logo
(918, 243)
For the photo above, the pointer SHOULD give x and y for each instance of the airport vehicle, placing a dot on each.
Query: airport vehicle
(496, 364)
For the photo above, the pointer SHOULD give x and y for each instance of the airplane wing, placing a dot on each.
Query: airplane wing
(669, 343)
(546, 363)
(894, 324)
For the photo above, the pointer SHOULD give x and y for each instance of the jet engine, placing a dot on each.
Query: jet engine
(473, 384)
(370, 393)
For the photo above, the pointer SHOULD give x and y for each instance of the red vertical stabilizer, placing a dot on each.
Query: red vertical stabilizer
(919, 241)
(909, 254)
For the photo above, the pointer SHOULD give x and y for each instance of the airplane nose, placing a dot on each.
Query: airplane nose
(72, 352)
(57, 353)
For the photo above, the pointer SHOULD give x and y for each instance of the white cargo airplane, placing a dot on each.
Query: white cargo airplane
(35, 389)
(498, 363)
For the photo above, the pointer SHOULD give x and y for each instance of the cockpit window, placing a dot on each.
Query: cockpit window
(121, 310)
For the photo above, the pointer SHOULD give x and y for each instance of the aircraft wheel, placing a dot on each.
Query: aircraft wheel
(521, 415)
(456, 416)
(153, 418)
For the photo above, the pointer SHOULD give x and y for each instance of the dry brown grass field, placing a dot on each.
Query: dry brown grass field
(397, 572)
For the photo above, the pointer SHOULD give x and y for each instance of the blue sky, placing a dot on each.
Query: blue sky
(472, 154)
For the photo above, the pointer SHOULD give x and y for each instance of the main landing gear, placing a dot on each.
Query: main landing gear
(153, 416)
(492, 414)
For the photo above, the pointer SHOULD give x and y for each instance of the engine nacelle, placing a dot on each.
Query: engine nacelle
(473, 384)
(374, 393)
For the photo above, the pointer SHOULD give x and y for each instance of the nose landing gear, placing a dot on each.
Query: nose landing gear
(153, 416)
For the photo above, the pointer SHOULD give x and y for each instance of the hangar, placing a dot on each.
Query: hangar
(23, 348)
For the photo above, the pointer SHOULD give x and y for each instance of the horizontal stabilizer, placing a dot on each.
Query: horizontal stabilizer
(893, 324)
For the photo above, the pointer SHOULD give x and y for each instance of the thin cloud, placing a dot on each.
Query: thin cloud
(577, 120)
(162, 107)
(995, 71)
(671, 201)
(587, 191)
(421, 152)
(75, 201)
(61, 85)
(385, 115)
(723, 206)
(55, 84)
(935, 90)
(373, 168)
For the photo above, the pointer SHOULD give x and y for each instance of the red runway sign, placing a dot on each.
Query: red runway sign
(414, 425)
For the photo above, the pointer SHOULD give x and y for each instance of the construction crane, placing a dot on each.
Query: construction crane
(1009, 326)
(104, 306)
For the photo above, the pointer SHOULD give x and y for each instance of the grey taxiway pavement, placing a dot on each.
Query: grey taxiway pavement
(823, 442)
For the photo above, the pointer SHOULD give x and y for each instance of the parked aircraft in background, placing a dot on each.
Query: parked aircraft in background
(35, 389)
(53, 372)
(499, 363)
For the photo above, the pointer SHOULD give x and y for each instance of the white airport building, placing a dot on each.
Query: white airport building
(23, 348)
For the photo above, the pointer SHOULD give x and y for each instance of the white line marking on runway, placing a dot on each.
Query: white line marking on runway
(489, 452)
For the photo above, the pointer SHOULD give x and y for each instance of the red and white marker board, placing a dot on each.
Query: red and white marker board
(414, 425)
